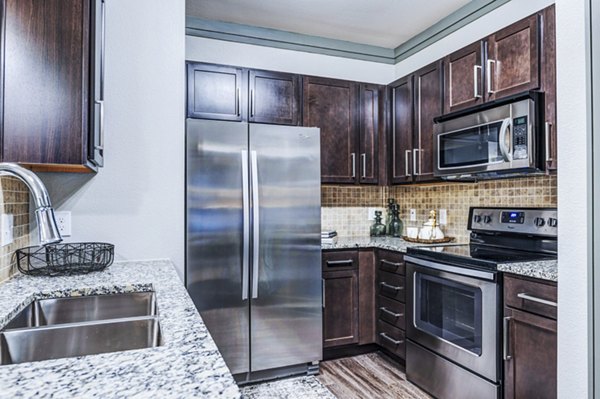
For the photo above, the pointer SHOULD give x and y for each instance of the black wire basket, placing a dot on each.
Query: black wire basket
(65, 259)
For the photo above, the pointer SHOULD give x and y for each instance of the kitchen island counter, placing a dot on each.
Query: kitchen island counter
(187, 364)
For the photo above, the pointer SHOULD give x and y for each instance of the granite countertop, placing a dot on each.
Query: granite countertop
(187, 364)
(543, 269)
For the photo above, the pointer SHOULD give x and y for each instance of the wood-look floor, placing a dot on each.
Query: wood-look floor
(373, 375)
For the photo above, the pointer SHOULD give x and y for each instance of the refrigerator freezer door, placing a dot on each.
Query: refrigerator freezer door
(286, 320)
(217, 239)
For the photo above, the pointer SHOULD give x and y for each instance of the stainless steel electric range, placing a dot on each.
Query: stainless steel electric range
(455, 300)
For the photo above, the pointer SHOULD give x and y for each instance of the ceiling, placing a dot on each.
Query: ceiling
(384, 23)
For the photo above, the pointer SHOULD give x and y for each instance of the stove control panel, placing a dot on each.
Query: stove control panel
(531, 221)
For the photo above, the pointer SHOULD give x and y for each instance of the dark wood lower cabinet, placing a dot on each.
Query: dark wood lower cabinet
(340, 313)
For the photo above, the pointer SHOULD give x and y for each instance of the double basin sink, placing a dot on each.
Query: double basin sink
(77, 326)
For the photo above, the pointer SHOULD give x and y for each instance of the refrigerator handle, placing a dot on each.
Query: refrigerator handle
(246, 225)
(255, 223)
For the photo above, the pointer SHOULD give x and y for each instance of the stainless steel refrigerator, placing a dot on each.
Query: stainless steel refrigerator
(253, 244)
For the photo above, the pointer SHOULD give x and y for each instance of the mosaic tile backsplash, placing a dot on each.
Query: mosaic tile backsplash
(14, 199)
(345, 208)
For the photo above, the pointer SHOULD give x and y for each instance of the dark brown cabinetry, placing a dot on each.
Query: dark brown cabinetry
(237, 94)
(390, 304)
(463, 77)
(368, 141)
(47, 90)
(529, 345)
(548, 70)
(416, 100)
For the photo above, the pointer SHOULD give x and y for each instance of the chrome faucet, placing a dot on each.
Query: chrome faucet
(44, 214)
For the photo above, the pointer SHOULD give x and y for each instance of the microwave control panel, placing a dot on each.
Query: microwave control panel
(519, 137)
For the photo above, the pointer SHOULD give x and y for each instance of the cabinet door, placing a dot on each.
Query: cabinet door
(548, 68)
(369, 134)
(45, 90)
(428, 105)
(274, 98)
(340, 311)
(216, 92)
(463, 77)
(401, 164)
(331, 105)
(512, 64)
(531, 370)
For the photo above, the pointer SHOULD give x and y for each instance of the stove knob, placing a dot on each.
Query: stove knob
(539, 222)
(477, 218)
(552, 222)
(487, 219)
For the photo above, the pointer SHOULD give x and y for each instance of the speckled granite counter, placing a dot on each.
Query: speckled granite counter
(547, 269)
(187, 364)
(544, 269)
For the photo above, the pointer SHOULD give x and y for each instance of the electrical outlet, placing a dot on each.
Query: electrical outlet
(63, 221)
(7, 222)
(413, 215)
(443, 216)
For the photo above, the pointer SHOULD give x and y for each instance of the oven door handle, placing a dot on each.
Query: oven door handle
(463, 271)
(502, 135)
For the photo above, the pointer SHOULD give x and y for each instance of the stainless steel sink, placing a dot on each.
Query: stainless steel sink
(44, 312)
(76, 326)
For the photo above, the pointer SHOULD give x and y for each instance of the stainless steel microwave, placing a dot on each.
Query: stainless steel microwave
(498, 140)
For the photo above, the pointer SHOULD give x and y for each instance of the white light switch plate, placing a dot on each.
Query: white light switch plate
(413, 215)
(443, 216)
(7, 222)
(63, 220)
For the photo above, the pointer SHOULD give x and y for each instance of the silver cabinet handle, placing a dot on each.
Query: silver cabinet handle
(406, 156)
(100, 145)
(395, 315)
(476, 93)
(505, 339)
(353, 156)
(246, 225)
(489, 76)
(363, 158)
(391, 287)
(392, 340)
(523, 295)
(323, 291)
(256, 223)
(393, 264)
(415, 154)
(547, 128)
(238, 107)
(339, 262)
(252, 103)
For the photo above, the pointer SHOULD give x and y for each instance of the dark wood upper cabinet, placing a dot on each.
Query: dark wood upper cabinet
(512, 64)
(463, 77)
(401, 130)
(332, 106)
(47, 91)
(370, 105)
(428, 105)
(274, 98)
(548, 83)
(216, 92)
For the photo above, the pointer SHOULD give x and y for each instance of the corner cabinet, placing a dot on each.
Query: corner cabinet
(416, 100)
(52, 86)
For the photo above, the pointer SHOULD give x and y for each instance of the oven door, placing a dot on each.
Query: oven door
(453, 311)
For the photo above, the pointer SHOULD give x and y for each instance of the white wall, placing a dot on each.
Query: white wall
(260, 57)
(495, 20)
(137, 200)
(573, 190)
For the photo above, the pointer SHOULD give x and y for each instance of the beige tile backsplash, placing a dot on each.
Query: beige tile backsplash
(345, 208)
(14, 199)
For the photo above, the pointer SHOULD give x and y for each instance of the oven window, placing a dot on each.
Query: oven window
(449, 310)
(470, 147)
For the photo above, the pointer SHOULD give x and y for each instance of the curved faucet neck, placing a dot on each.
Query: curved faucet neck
(34, 184)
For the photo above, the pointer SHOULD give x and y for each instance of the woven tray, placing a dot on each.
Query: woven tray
(421, 241)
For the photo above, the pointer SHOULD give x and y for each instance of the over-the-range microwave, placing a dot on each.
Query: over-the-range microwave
(500, 139)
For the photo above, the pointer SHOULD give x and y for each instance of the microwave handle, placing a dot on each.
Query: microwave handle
(502, 134)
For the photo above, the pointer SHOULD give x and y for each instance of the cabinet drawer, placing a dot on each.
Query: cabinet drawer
(391, 311)
(339, 260)
(391, 285)
(392, 262)
(391, 338)
(531, 296)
